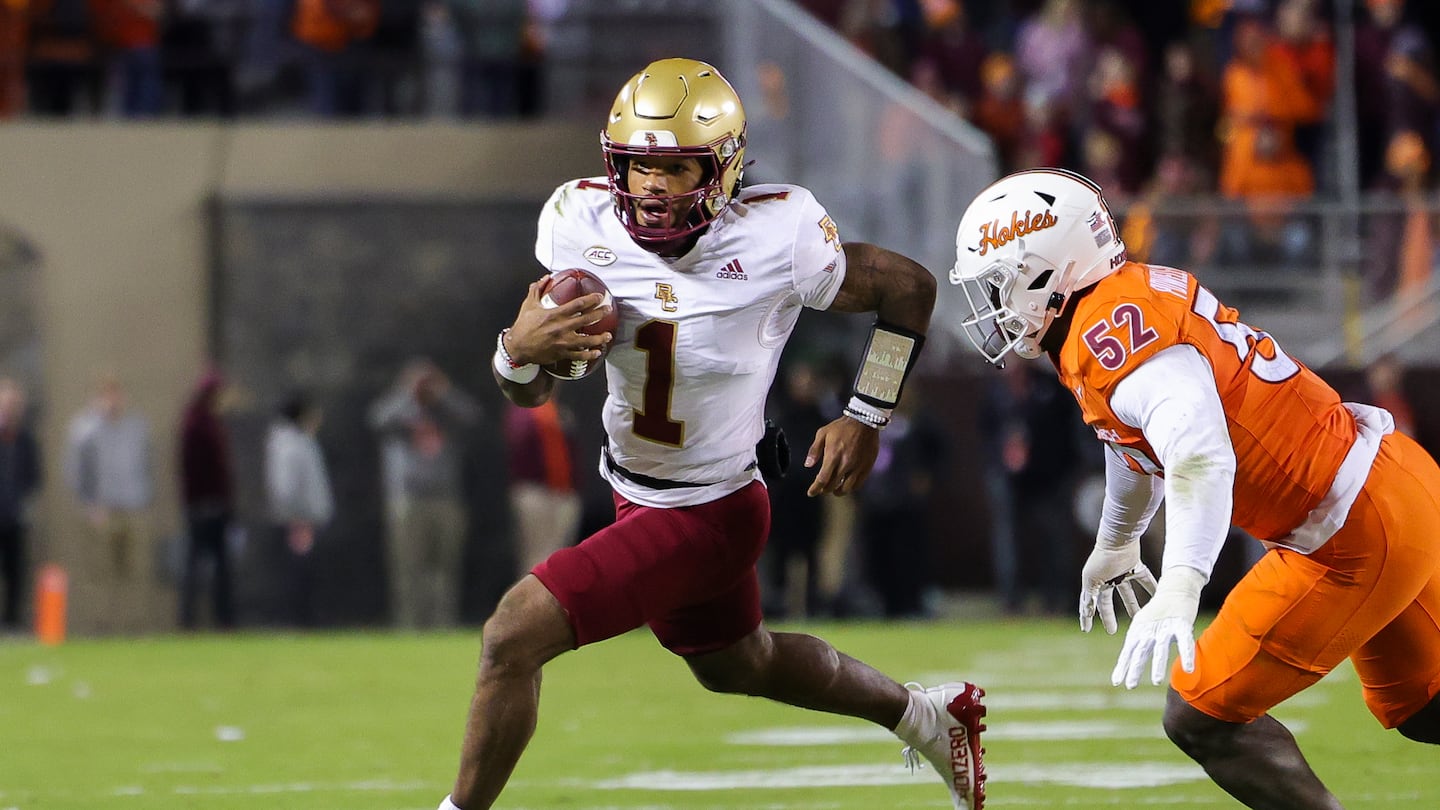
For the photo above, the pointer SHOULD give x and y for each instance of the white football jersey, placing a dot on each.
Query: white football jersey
(700, 336)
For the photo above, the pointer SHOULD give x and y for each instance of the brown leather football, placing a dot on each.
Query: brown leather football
(565, 286)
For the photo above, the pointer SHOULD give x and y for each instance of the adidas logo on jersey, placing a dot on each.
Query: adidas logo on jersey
(733, 271)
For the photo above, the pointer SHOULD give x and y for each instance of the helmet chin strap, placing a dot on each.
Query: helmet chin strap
(1066, 280)
(1029, 347)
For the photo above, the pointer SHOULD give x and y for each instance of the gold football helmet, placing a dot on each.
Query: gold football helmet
(684, 108)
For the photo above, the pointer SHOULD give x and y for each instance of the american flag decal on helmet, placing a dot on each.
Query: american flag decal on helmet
(1100, 229)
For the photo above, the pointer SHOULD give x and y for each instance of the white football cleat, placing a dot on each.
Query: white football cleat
(954, 747)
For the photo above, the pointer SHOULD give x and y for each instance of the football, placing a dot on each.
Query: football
(565, 286)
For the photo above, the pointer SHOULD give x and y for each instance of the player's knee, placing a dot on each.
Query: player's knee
(1424, 725)
(1192, 731)
(736, 670)
(726, 676)
(503, 642)
(1427, 733)
(714, 680)
(521, 635)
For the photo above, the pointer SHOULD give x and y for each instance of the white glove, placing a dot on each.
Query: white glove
(447, 805)
(1107, 572)
(1168, 617)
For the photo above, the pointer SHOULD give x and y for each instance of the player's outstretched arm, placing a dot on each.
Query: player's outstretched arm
(897, 288)
(1173, 399)
(543, 335)
(902, 294)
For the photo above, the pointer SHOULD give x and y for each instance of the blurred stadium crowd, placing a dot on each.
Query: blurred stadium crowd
(1235, 96)
(145, 58)
(1156, 101)
(1166, 101)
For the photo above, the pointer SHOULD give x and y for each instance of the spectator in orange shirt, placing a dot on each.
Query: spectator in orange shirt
(1305, 40)
(1263, 98)
(327, 30)
(131, 31)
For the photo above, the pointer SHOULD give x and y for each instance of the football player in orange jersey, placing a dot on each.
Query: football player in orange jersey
(1200, 410)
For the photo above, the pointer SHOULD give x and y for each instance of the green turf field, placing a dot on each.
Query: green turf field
(373, 722)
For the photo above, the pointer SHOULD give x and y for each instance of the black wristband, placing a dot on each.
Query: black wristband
(890, 354)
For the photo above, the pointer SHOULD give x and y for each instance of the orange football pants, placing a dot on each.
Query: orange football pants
(1370, 594)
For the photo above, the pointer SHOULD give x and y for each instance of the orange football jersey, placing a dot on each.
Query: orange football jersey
(1287, 426)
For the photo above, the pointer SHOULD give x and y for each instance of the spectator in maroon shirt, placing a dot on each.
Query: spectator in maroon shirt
(829, 12)
(1116, 112)
(1187, 110)
(207, 487)
(1000, 111)
(957, 51)
(1395, 87)
(544, 501)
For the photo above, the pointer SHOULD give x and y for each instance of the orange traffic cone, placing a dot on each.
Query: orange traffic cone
(52, 585)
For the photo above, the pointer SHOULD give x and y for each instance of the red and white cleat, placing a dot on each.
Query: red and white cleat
(954, 749)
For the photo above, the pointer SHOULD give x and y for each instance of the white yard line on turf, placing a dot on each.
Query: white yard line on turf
(799, 736)
(1087, 775)
(1058, 730)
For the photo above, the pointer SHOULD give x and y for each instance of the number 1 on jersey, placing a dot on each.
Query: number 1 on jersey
(657, 340)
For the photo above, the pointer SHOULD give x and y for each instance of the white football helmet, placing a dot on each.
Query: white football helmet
(1024, 246)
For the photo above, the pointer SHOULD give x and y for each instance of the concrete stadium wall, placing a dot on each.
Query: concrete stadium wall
(115, 217)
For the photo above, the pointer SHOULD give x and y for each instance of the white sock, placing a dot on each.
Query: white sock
(918, 719)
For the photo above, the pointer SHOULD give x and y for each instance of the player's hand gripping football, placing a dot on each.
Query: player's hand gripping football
(544, 335)
(845, 449)
(1108, 572)
(1168, 618)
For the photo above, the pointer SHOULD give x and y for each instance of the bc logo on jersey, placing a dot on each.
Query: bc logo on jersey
(665, 294)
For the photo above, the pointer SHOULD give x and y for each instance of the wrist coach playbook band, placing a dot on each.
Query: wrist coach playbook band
(889, 358)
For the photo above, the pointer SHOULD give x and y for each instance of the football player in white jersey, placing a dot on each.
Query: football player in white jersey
(709, 279)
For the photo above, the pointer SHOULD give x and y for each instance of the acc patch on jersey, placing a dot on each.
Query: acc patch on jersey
(599, 255)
